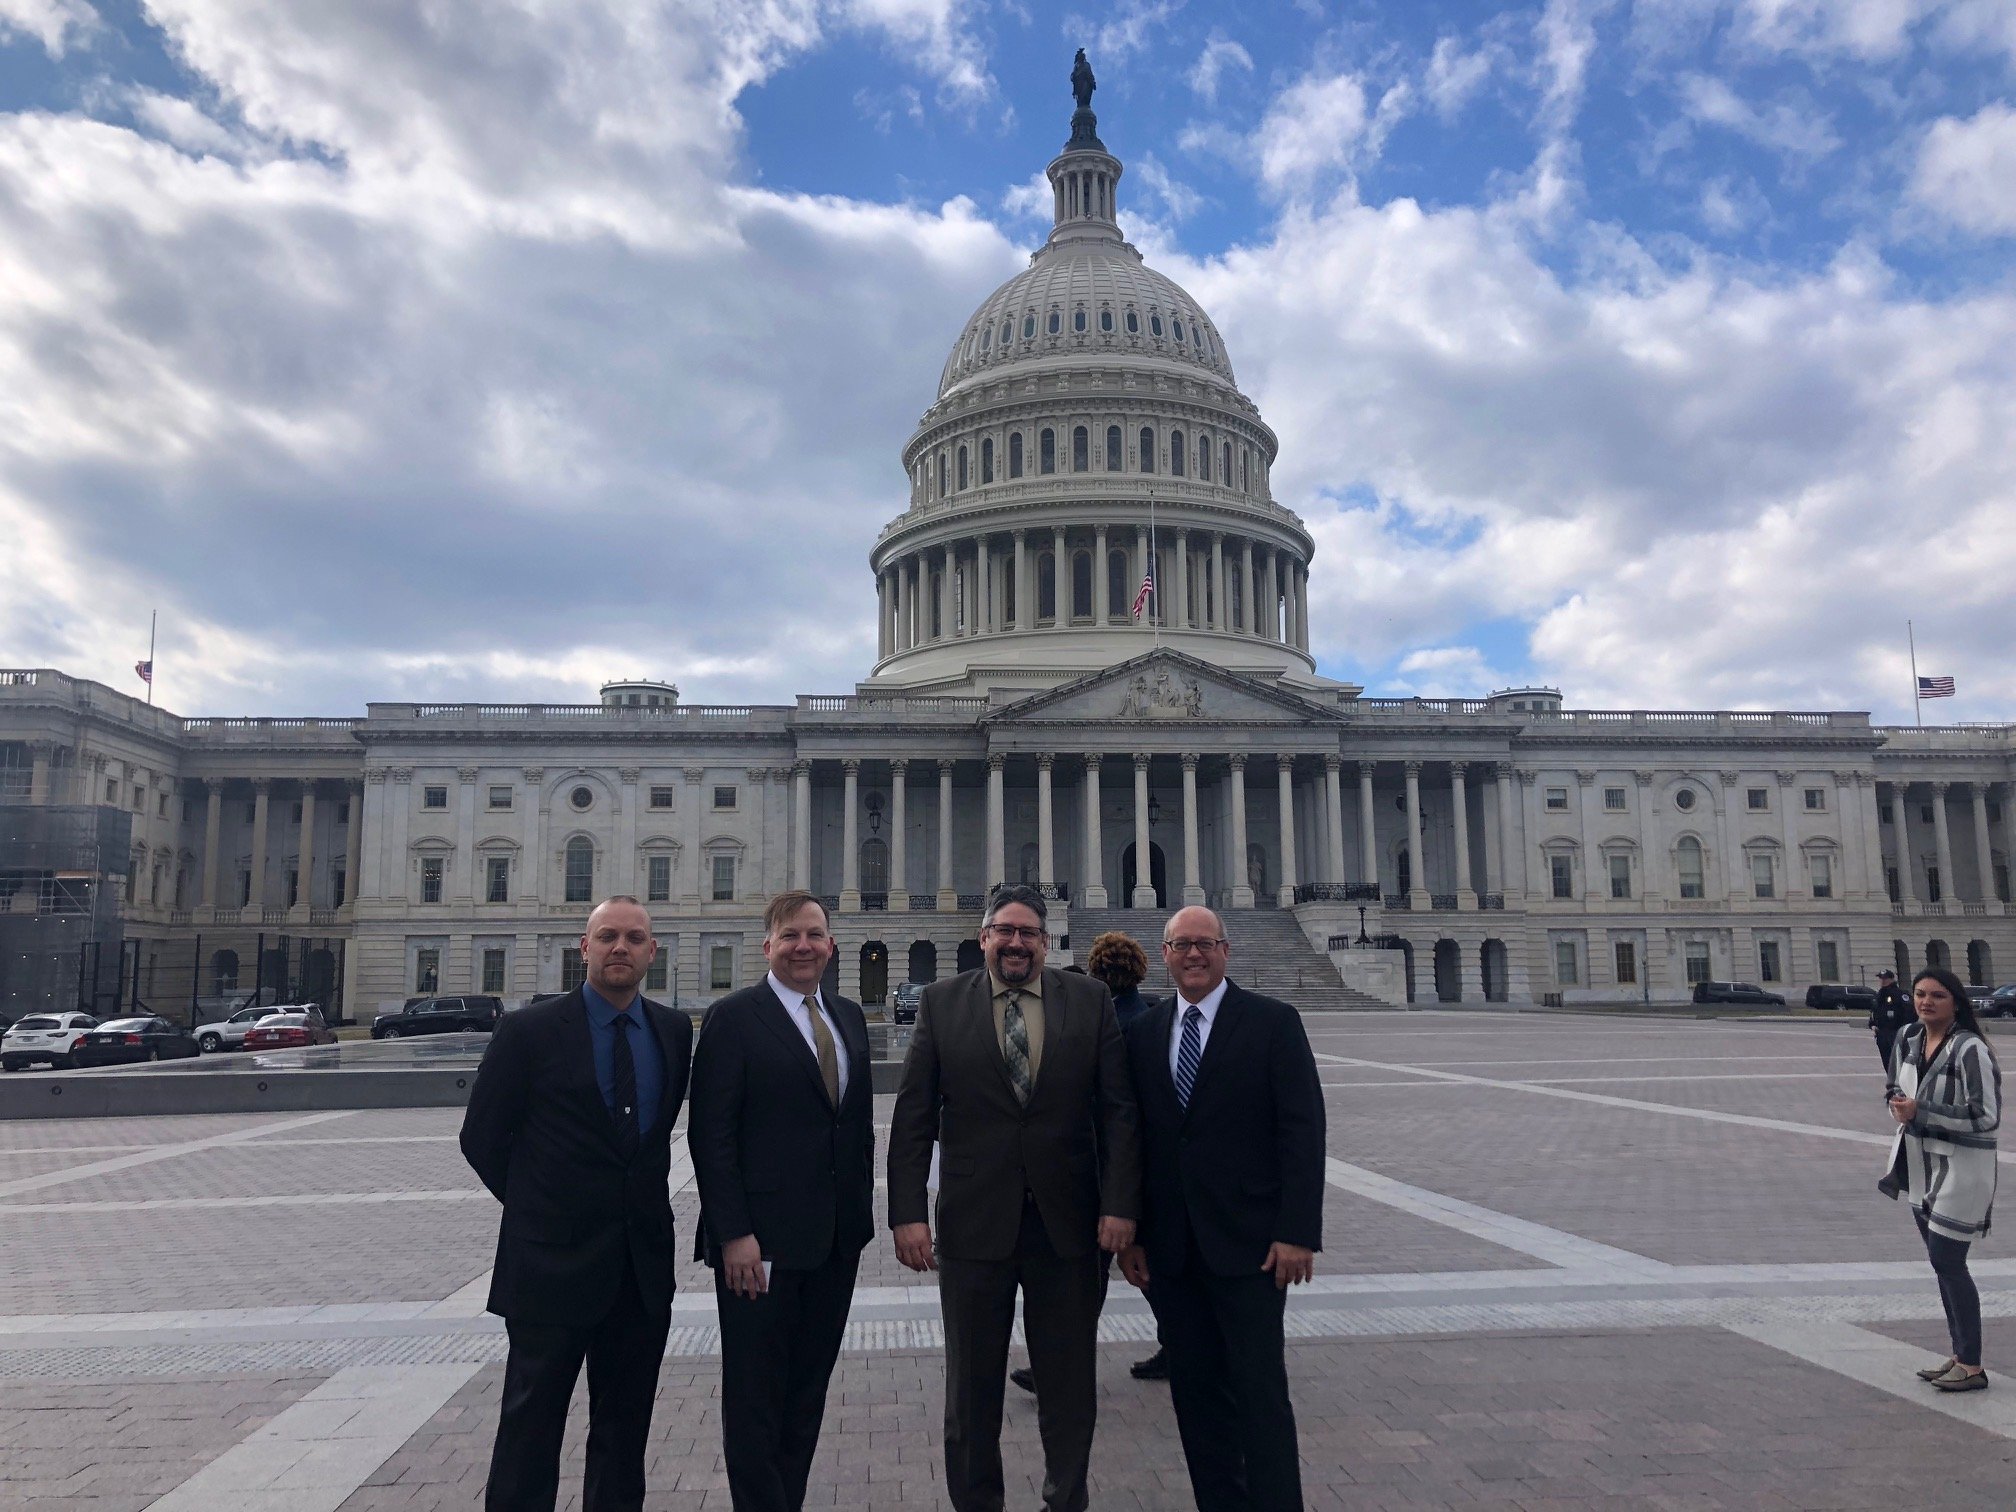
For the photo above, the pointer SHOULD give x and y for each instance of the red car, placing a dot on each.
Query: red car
(286, 1031)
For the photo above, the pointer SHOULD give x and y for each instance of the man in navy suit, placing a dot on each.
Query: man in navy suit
(1232, 1212)
(570, 1126)
(783, 1139)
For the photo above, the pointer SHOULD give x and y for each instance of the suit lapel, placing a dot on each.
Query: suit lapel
(771, 1012)
(1224, 1024)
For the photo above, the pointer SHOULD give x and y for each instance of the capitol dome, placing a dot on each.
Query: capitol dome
(1088, 437)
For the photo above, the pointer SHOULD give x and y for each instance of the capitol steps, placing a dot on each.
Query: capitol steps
(1270, 955)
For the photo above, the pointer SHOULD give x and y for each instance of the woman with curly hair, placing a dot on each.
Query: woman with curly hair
(1120, 962)
(1946, 1096)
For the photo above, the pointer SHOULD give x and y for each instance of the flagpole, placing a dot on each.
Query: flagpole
(153, 615)
(1917, 709)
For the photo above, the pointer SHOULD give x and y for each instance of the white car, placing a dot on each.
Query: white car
(229, 1033)
(44, 1037)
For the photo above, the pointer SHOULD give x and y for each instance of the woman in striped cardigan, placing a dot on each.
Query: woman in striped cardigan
(1946, 1096)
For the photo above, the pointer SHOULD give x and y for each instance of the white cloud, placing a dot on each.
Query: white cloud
(1220, 53)
(56, 24)
(1453, 76)
(1966, 170)
(1793, 127)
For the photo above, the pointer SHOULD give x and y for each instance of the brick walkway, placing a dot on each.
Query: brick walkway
(1569, 1262)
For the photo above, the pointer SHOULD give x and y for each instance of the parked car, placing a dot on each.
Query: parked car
(1997, 1003)
(229, 1033)
(473, 1014)
(46, 1038)
(1736, 992)
(289, 1028)
(120, 1042)
(1841, 995)
(903, 1004)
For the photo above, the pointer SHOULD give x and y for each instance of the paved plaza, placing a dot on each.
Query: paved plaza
(1568, 1262)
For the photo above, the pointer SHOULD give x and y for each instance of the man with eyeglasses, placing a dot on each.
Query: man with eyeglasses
(1232, 1212)
(1018, 1073)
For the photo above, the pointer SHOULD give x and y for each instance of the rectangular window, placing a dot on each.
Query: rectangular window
(427, 970)
(720, 968)
(657, 879)
(661, 796)
(1823, 876)
(1827, 960)
(432, 868)
(1557, 800)
(1627, 963)
(573, 970)
(657, 974)
(724, 798)
(1757, 800)
(493, 969)
(500, 796)
(1565, 973)
(724, 879)
(1699, 966)
(434, 797)
(1769, 967)
(1620, 876)
(1816, 800)
(1613, 800)
(1762, 881)
(1562, 870)
(496, 881)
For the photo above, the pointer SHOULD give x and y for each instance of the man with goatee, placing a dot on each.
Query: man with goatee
(1017, 1071)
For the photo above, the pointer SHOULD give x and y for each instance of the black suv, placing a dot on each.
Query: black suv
(1841, 995)
(1736, 992)
(440, 1015)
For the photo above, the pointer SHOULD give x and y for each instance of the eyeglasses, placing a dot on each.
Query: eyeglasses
(1007, 933)
(1184, 947)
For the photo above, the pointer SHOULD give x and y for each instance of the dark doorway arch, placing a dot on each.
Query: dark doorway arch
(923, 961)
(1158, 875)
(1980, 964)
(1448, 972)
(874, 972)
(971, 957)
(1496, 965)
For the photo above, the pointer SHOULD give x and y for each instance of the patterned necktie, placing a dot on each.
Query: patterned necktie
(1188, 1052)
(829, 1059)
(626, 1087)
(1015, 1034)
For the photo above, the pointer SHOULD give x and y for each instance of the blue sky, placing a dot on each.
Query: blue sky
(1664, 351)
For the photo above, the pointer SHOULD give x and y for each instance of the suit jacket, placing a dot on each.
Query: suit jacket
(575, 1211)
(771, 1155)
(1075, 1146)
(1242, 1166)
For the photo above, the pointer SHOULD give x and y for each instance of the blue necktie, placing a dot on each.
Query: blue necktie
(1188, 1053)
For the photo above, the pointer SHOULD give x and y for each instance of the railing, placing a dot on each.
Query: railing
(923, 902)
(1397, 900)
(1337, 892)
(1490, 902)
(1442, 902)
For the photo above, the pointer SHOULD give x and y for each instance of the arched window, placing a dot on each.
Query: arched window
(986, 459)
(1046, 587)
(580, 878)
(1119, 587)
(1115, 458)
(1176, 453)
(1046, 452)
(1015, 454)
(1687, 861)
(962, 467)
(1081, 449)
(1081, 585)
(1147, 448)
(1203, 459)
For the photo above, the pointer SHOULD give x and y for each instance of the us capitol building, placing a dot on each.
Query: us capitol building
(1020, 723)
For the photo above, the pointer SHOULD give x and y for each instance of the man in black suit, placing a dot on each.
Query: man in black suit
(1020, 1075)
(783, 1139)
(570, 1125)
(1232, 1212)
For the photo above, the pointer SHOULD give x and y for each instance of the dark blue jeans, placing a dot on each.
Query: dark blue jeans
(1956, 1292)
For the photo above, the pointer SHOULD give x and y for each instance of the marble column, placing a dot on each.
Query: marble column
(1102, 596)
(1333, 793)
(1249, 592)
(1144, 874)
(850, 835)
(1417, 894)
(1046, 866)
(899, 835)
(1284, 777)
(1193, 875)
(1984, 852)
(353, 838)
(1095, 846)
(213, 842)
(1459, 795)
(948, 891)
(1025, 613)
(304, 895)
(1900, 812)
(983, 583)
(1942, 840)
(801, 822)
(262, 788)
(997, 822)
(1242, 882)
(1218, 600)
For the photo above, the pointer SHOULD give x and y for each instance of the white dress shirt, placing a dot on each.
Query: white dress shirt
(801, 1008)
(1209, 1008)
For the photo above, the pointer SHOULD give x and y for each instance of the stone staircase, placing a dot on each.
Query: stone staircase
(1270, 955)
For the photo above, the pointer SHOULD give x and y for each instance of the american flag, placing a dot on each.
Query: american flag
(1935, 687)
(1141, 598)
(145, 669)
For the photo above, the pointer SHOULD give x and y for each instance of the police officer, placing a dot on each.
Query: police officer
(1891, 1013)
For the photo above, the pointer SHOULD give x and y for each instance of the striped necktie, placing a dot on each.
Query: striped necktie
(1189, 1050)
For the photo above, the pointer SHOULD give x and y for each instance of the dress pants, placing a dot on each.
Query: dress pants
(1229, 1380)
(623, 1351)
(1060, 1320)
(777, 1354)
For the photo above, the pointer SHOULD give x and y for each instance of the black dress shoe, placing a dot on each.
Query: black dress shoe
(1154, 1368)
(1024, 1377)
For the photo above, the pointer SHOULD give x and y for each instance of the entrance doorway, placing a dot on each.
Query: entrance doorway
(1158, 875)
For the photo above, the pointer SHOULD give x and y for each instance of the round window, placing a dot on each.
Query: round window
(581, 797)
(1684, 799)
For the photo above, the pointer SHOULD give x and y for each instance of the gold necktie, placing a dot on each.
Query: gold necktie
(829, 1060)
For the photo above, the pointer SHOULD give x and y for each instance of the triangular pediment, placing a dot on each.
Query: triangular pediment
(1163, 688)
